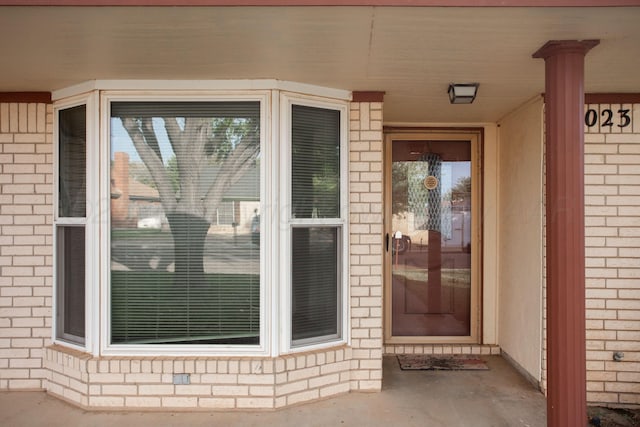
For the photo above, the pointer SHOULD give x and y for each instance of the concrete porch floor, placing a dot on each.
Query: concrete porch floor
(498, 397)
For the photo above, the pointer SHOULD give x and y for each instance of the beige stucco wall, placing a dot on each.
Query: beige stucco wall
(490, 237)
(520, 236)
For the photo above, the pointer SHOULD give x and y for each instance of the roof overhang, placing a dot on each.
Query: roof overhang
(410, 53)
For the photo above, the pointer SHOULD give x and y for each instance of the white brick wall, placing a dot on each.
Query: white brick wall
(612, 233)
(486, 350)
(25, 242)
(215, 383)
(27, 359)
(365, 166)
(613, 288)
(612, 259)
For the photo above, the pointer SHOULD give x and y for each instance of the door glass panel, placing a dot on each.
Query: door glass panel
(431, 238)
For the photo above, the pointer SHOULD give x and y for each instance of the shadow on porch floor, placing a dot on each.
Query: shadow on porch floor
(497, 397)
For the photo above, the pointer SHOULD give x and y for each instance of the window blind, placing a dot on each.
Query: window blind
(315, 276)
(315, 248)
(315, 162)
(185, 186)
(70, 237)
(72, 135)
(70, 278)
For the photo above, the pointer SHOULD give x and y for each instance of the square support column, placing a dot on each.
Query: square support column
(564, 130)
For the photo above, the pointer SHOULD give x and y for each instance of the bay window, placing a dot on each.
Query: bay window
(220, 217)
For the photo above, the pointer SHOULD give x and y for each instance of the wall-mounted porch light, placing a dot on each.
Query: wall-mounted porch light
(463, 93)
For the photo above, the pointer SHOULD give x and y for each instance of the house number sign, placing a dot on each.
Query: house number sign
(608, 117)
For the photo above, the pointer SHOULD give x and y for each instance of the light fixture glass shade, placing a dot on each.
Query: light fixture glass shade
(463, 93)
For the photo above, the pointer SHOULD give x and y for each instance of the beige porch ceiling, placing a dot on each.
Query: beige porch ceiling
(411, 53)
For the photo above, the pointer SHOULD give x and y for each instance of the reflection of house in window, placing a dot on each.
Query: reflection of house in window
(138, 205)
(120, 188)
(145, 209)
(133, 204)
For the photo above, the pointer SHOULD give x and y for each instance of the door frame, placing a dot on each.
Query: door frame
(475, 137)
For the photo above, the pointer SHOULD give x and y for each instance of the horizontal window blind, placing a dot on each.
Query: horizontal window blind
(72, 134)
(213, 110)
(315, 248)
(315, 162)
(315, 275)
(70, 283)
(185, 191)
(70, 239)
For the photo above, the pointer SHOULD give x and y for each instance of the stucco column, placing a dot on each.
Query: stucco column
(564, 130)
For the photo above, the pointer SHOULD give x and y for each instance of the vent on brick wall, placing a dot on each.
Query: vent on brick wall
(181, 379)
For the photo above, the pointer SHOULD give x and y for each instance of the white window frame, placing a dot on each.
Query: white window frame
(275, 244)
(90, 222)
(287, 100)
(106, 348)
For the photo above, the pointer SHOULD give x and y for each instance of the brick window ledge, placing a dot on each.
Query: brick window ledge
(214, 382)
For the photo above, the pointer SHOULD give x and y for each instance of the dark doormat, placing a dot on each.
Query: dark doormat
(430, 362)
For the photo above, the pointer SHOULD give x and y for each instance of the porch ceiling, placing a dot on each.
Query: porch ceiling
(411, 53)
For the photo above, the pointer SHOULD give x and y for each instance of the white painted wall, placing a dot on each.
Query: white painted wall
(520, 244)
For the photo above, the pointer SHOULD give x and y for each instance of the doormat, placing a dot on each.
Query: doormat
(429, 362)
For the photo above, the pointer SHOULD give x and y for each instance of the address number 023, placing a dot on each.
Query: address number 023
(607, 117)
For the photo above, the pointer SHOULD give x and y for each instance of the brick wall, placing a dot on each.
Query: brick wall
(215, 382)
(261, 383)
(365, 189)
(486, 350)
(612, 166)
(612, 221)
(612, 259)
(25, 242)
(27, 359)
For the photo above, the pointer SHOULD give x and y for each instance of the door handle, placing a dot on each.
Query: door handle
(386, 244)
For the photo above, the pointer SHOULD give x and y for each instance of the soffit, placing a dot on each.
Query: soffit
(410, 53)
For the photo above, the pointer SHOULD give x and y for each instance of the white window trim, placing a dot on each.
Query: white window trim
(286, 102)
(90, 222)
(108, 349)
(275, 294)
(198, 86)
(273, 210)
